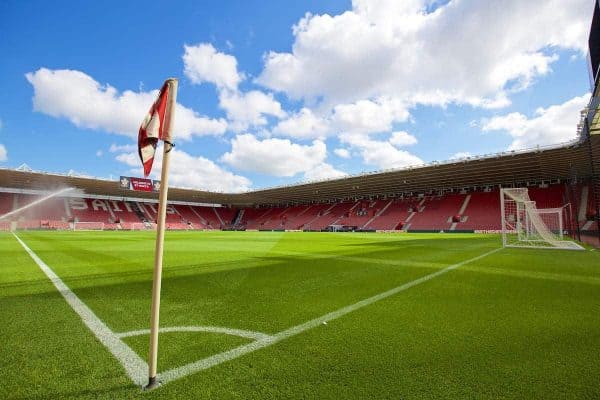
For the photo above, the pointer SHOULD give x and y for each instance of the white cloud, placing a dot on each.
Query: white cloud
(189, 171)
(249, 109)
(122, 148)
(99, 153)
(523, 67)
(189, 123)
(366, 116)
(244, 109)
(460, 155)
(323, 171)
(342, 153)
(88, 104)
(381, 154)
(552, 125)
(303, 125)
(363, 116)
(277, 157)
(460, 52)
(401, 139)
(514, 122)
(203, 63)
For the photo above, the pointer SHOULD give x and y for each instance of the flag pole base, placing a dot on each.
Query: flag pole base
(153, 383)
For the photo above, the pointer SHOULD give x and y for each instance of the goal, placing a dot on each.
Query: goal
(525, 225)
(88, 226)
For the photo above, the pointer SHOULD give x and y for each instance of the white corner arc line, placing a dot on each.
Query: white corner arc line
(208, 362)
(210, 329)
(135, 367)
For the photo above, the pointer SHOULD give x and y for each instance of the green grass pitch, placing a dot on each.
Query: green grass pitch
(518, 323)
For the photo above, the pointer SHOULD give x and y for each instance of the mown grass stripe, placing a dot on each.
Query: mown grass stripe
(180, 372)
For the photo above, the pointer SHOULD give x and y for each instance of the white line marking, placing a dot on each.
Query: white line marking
(210, 329)
(137, 369)
(217, 359)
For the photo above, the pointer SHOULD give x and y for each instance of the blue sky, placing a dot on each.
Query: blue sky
(274, 93)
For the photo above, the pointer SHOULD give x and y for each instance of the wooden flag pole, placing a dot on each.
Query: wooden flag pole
(160, 236)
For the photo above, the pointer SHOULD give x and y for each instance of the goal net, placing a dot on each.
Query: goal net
(88, 226)
(525, 225)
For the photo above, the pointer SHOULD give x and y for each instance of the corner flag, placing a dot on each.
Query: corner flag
(158, 125)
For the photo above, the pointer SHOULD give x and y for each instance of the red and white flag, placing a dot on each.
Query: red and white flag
(155, 127)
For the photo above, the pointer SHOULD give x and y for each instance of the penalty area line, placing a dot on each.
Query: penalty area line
(135, 367)
(206, 363)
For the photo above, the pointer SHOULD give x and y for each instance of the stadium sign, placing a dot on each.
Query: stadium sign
(139, 184)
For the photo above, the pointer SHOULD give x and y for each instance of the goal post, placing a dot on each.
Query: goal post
(525, 225)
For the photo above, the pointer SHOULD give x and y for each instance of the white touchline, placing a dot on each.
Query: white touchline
(136, 367)
(216, 359)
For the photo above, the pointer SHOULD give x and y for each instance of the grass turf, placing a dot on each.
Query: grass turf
(519, 323)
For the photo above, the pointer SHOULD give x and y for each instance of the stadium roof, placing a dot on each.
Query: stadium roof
(509, 168)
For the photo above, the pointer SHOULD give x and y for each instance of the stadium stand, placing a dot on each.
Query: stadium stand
(209, 215)
(189, 216)
(590, 219)
(436, 213)
(249, 215)
(275, 220)
(256, 218)
(361, 213)
(468, 211)
(312, 213)
(172, 217)
(225, 216)
(52, 209)
(124, 211)
(548, 197)
(6, 203)
(393, 215)
(89, 210)
(330, 216)
(482, 212)
(458, 195)
(293, 216)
